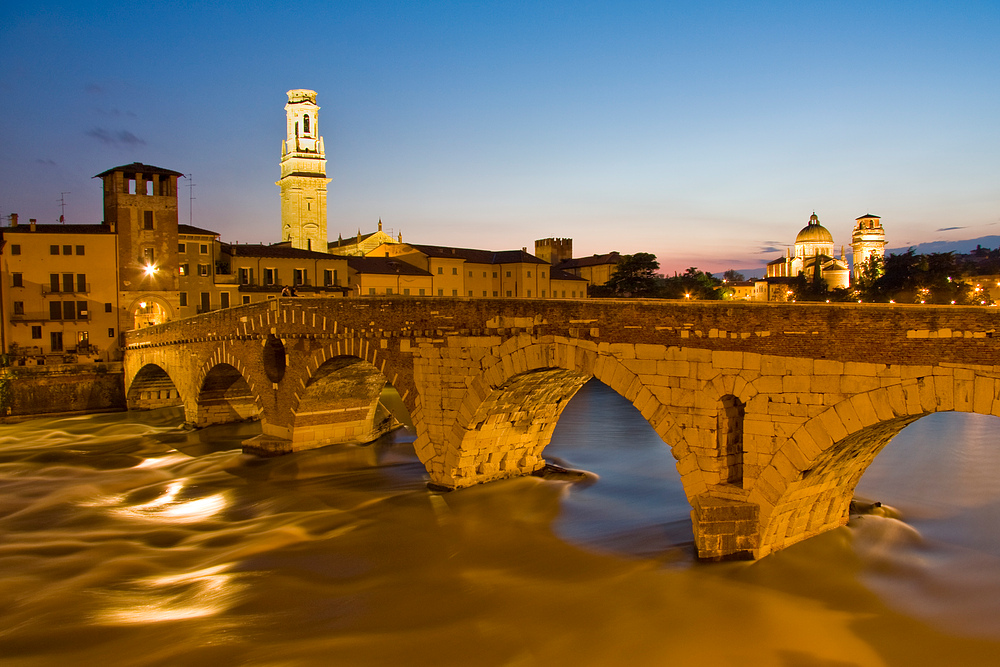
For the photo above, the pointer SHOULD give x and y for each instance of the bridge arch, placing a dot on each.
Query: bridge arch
(510, 409)
(808, 485)
(224, 395)
(152, 387)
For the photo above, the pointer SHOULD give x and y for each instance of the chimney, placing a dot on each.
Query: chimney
(13, 219)
(32, 221)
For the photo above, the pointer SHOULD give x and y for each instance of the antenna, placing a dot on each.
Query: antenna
(191, 198)
(62, 206)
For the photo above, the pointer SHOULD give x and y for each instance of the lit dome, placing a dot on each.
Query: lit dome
(814, 233)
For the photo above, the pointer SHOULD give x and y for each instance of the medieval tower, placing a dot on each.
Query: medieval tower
(303, 174)
(867, 241)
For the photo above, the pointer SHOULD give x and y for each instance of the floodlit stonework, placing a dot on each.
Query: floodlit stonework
(303, 174)
(772, 411)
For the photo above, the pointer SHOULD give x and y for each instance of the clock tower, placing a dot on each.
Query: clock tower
(303, 174)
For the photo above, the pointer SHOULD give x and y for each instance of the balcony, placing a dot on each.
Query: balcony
(47, 289)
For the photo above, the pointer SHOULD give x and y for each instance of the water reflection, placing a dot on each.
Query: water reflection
(129, 540)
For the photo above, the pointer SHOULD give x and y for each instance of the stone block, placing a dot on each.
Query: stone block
(727, 359)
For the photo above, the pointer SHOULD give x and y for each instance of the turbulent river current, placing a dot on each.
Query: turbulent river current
(128, 540)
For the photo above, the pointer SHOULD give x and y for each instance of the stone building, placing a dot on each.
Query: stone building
(813, 252)
(868, 240)
(59, 293)
(303, 174)
(362, 244)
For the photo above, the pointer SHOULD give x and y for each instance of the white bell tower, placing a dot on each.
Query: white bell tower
(303, 174)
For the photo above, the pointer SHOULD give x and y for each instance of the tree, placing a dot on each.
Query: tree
(692, 284)
(635, 276)
(733, 276)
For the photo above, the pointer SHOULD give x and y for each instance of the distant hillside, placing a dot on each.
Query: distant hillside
(960, 247)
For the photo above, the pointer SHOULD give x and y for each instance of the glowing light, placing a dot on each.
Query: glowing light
(174, 597)
(149, 269)
(142, 304)
(167, 508)
(687, 295)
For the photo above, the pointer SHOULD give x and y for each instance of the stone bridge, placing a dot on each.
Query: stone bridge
(772, 411)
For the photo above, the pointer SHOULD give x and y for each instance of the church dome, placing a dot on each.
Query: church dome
(814, 232)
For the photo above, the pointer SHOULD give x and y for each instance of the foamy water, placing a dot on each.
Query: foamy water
(127, 540)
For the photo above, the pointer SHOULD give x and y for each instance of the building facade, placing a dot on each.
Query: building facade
(867, 241)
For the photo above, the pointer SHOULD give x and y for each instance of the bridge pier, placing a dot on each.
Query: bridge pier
(725, 529)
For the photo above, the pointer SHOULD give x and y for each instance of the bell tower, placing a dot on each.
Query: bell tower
(868, 240)
(303, 174)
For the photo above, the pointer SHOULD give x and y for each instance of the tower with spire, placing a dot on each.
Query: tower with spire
(303, 174)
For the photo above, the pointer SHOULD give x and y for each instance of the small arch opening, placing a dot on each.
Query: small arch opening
(729, 431)
(273, 358)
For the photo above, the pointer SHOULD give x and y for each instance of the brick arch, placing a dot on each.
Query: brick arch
(225, 392)
(152, 386)
(340, 396)
(807, 486)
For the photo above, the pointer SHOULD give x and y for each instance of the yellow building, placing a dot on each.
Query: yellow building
(479, 273)
(388, 276)
(60, 295)
(362, 244)
(813, 251)
(260, 272)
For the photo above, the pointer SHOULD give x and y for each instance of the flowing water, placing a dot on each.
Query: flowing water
(127, 540)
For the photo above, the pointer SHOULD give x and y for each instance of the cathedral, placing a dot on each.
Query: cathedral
(813, 252)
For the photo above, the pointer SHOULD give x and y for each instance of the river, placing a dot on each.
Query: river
(128, 540)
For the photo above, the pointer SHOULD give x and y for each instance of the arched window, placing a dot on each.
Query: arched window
(730, 434)
(305, 123)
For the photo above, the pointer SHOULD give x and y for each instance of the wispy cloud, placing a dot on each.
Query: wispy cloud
(46, 162)
(118, 138)
(949, 229)
(94, 89)
(773, 247)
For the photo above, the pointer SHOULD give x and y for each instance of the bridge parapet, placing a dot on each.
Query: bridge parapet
(772, 411)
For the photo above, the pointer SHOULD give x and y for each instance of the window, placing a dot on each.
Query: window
(182, 269)
(495, 293)
(203, 269)
(422, 292)
(80, 250)
(147, 219)
(55, 341)
(82, 310)
(184, 298)
(69, 310)
(454, 292)
(55, 310)
(529, 294)
(203, 248)
(484, 275)
(543, 294)
(371, 290)
(494, 274)
(67, 282)
(81, 282)
(574, 294)
(470, 274)
(15, 249)
(36, 332)
(305, 123)
(53, 250)
(388, 291)
(270, 275)
(206, 304)
(508, 293)
(529, 274)
(181, 247)
(67, 250)
(82, 340)
(406, 291)
(299, 276)
(246, 277)
(508, 274)
(246, 299)
(440, 270)
(17, 280)
(454, 270)
(484, 292)
(470, 292)
(148, 258)
(224, 299)
(19, 308)
(111, 332)
(543, 275)
(107, 308)
(327, 277)
(440, 292)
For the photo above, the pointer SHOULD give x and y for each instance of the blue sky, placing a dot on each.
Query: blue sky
(703, 132)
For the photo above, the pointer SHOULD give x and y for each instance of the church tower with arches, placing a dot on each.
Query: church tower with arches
(303, 174)
(868, 240)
